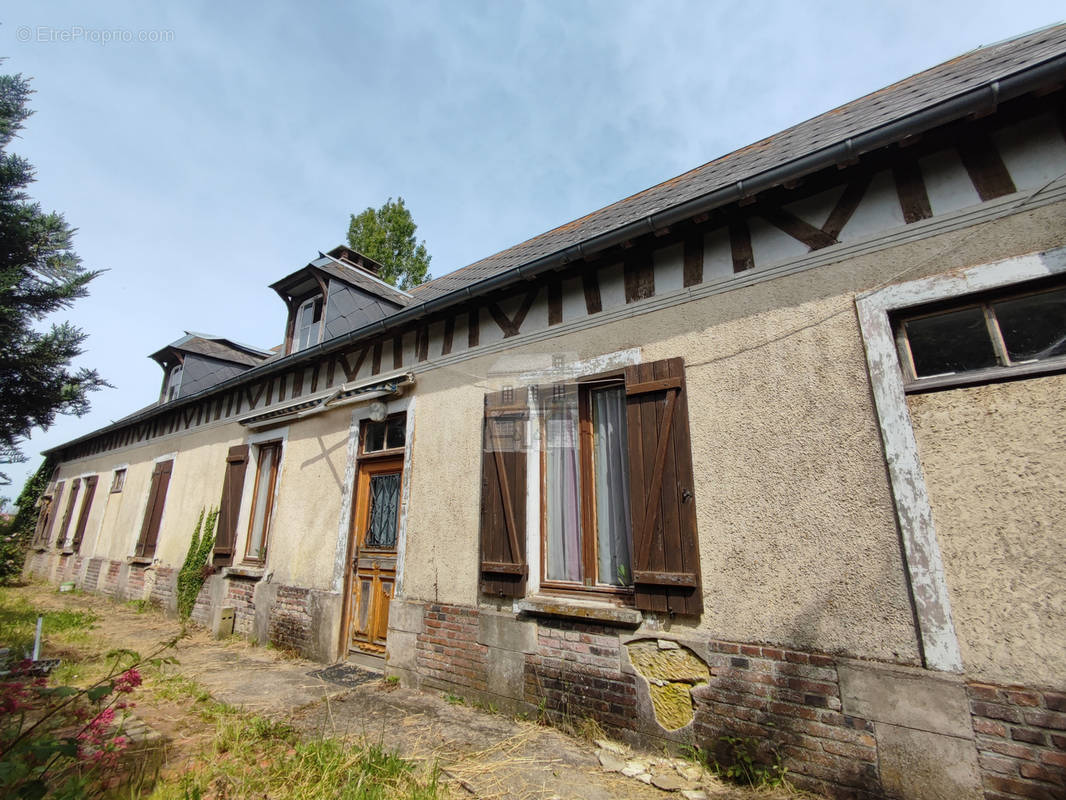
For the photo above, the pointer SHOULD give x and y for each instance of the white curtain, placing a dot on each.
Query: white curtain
(611, 456)
(562, 478)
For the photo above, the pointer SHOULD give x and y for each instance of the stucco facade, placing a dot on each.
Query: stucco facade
(880, 579)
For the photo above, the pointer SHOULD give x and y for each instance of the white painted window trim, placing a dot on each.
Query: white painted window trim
(925, 568)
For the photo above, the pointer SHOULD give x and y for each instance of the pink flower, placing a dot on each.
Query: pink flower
(128, 681)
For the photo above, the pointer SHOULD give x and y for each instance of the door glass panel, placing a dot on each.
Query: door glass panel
(957, 341)
(384, 508)
(1033, 327)
(562, 478)
(364, 606)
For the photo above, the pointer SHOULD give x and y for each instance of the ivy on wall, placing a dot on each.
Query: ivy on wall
(193, 572)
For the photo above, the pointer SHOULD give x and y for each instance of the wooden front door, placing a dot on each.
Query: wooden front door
(375, 523)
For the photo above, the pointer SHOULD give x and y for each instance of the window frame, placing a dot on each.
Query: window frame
(1005, 369)
(584, 386)
(312, 299)
(271, 498)
(172, 389)
(118, 480)
(385, 452)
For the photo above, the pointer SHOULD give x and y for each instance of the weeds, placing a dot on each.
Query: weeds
(454, 699)
(737, 760)
(18, 623)
(141, 605)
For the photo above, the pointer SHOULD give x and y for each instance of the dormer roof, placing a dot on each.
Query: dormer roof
(216, 347)
(345, 265)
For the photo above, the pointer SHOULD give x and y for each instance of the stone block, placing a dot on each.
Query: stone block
(506, 632)
(506, 673)
(920, 765)
(405, 616)
(908, 697)
(402, 650)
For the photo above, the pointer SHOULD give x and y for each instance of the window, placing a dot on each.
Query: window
(586, 528)
(308, 327)
(75, 485)
(153, 509)
(615, 483)
(173, 384)
(985, 337)
(266, 481)
(118, 480)
(381, 437)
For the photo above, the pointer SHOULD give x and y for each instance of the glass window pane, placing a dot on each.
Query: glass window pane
(264, 490)
(396, 431)
(1033, 327)
(375, 437)
(384, 510)
(611, 466)
(563, 492)
(956, 341)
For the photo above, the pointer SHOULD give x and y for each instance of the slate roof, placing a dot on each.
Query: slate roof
(217, 347)
(368, 283)
(895, 102)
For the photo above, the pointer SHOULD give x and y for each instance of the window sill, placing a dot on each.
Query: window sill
(67, 551)
(251, 573)
(140, 560)
(573, 608)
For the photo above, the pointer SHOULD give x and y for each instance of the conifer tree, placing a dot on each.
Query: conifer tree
(39, 274)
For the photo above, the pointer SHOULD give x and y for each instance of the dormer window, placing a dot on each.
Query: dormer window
(173, 384)
(308, 324)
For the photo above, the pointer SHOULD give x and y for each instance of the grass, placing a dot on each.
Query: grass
(253, 756)
(18, 623)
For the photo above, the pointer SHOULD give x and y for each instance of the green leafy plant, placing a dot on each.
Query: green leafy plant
(454, 699)
(737, 760)
(192, 575)
(64, 741)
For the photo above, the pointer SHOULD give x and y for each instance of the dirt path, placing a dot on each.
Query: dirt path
(488, 755)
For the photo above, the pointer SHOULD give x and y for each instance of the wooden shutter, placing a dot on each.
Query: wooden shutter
(153, 512)
(666, 564)
(48, 517)
(229, 507)
(62, 538)
(83, 516)
(503, 495)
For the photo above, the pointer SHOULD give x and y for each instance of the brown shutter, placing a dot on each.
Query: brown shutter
(62, 538)
(503, 495)
(666, 564)
(49, 516)
(83, 516)
(153, 512)
(230, 506)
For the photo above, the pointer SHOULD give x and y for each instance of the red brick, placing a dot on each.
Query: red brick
(1004, 766)
(996, 711)
(1020, 698)
(822, 661)
(1057, 759)
(1046, 719)
(1026, 735)
(984, 691)
(1038, 773)
(770, 652)
(1058, 741)
(1055, 701)
(1018, 787)
(797, 658)
(725, 647)
(1019, 751)
(989, 727)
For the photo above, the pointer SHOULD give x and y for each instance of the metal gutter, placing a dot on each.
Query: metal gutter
(979, 99)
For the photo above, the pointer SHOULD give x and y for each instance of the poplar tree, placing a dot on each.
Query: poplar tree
(387, 235)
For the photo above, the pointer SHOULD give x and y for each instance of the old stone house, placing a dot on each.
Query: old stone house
(772, 449)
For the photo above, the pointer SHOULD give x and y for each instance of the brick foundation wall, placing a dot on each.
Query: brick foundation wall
(201, 609)
(110, 578)
(134, 589)
(574, 674)
(164, 587)
(1021, 741)
(91, 582)
(290, 622)
(790, 702)
(240, 594)
(447, 651)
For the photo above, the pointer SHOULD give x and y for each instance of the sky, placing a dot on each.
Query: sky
(204, 150)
